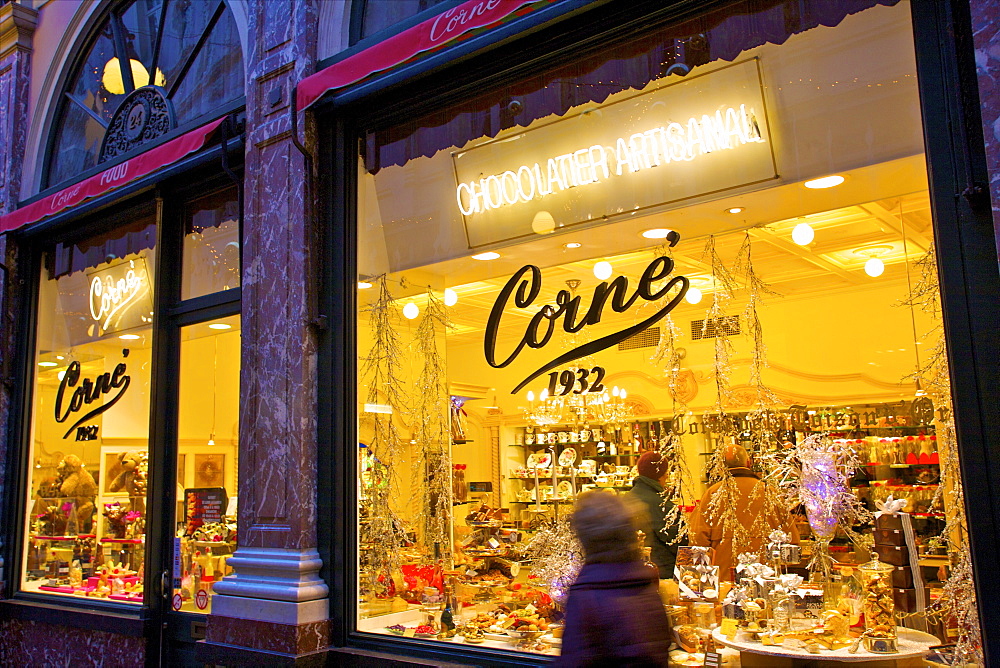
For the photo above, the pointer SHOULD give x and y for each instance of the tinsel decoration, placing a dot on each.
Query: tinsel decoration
(958, 600)
(724, 287)
(381, 532)
(558, 558)
(677, 485)
(815, 473)
(762, 434)
(431, 487)
(727, 497)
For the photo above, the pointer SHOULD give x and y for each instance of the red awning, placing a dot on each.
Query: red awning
(111, 178)
(430, 35)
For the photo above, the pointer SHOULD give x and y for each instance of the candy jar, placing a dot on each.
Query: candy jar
(878, 607)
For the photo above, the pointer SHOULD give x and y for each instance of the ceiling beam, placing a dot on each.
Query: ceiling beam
(780, 242)
(890, 220)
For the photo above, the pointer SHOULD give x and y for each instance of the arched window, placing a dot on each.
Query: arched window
(181, 57)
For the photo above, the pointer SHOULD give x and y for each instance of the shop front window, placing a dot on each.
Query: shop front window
(711, 237)
(86, 510)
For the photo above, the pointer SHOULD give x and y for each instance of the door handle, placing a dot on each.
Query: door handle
(165, 584)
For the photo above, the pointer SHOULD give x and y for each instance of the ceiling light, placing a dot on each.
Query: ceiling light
(450, 297)
(874, 267)
(572, 244)
(803, 234)
(656, 233)
(129, 337)
(220, 325)
(112, 76)
(488, 255)
(47, 364)
(543, 223)
(411, 311)
(603, 270)
(824, 182)
(364, 285)
(60, 357)
(693, 295)
(735, 209)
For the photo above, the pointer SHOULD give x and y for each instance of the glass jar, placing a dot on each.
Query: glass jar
(878, 607)
(781, 610)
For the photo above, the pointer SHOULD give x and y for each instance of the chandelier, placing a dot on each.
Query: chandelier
(578, 409)
(548, 410)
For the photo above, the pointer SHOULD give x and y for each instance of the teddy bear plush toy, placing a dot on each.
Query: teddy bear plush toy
(132, 478)
(79, 485)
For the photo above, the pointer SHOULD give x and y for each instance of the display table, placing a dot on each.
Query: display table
(913, 646)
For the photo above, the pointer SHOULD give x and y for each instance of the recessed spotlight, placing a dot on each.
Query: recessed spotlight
(60, 357)
(824, 182)
(656, 233)
(488, 255)
(450, 297)
(693, 295)
(129, 337)
(364, 285)
(411, 311)
(47, 364)
(572, 244)
(735, 209)
(803, 234)
(220, 325)
(603, 270)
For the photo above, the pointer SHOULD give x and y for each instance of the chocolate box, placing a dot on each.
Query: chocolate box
(889, 537)
(905, 600)
(902, 577)
(897, 555)
(889, 522)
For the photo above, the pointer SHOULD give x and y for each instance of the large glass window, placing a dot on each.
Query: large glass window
(713, 239)
(192, 50)
(90, 419)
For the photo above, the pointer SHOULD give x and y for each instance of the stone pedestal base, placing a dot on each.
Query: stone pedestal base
(273, 607)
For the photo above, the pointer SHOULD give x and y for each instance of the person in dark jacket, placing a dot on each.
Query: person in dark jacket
(614, 615)
(647, 489)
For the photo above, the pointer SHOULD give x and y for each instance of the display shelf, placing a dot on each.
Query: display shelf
(126, 541)
(62, 538)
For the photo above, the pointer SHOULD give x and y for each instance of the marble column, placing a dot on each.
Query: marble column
(17, 26)
(986, 36)
(275, 602)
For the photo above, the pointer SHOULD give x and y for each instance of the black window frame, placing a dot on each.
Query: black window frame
(963, 232)
(169, 196)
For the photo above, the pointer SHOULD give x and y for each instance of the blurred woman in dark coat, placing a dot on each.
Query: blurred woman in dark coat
(614, 616)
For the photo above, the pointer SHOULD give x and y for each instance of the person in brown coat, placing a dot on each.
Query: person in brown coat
(706, 527)
(614, 616)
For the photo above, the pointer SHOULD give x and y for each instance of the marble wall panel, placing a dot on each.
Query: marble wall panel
(269, 636)
(17, 26)
(278, 424)
(986, 35)
(28, 643)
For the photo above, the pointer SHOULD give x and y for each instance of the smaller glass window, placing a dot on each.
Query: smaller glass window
(208, 432)
(211, 245)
